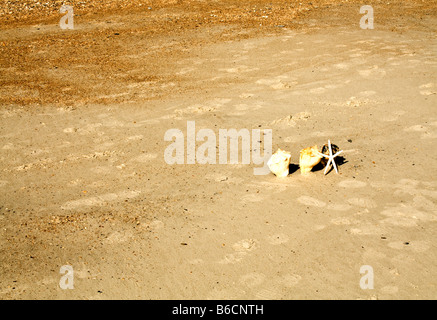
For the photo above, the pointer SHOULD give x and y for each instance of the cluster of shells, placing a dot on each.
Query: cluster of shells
(309, 157)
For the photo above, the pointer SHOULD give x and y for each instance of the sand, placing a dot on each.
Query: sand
(84, 182)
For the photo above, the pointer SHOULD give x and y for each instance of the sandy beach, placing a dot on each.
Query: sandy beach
(85, 182)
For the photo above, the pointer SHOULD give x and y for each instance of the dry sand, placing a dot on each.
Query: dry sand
(84, 182)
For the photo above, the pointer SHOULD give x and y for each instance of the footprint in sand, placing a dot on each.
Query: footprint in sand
(268, 294)
(400, 221)
(281, 85)
(429, 135)
(8, 146)
(267, 82)
(318, 90)
(252, 279)
(368, 229)
(154, 225)
(290, 120)
(245, 245)
(118, 237)
(341, 66)
(269, 186)
(103, 146)
(246, 95)
(332, 86)
(92, 128)
(291, 139)
(319, 227)
(356, 102)
(217, 177)
(371, 254)
(241, 248)
(355, 55)
(193, 110)
(277, 239)
(426, 85)
(287, 121)
(310, 201)
(406, 215)
(252, 198)
(416, 246)
(362, 202)
(186, 70)
(102, 169)
(196, 261)
(389, 290)
(393, 116)
(339, 206)
(70, 130)
(428, 89)
(373, 72)
(146, 157)
(99, 200)
(289, 280)
(352, 184)
(416, 128)
(276, 83)
(233, 258)
(317, 134)
(367, 93)
(409, 187)
(225, 294)
(343, 221)
(407, 183)
(421, 202)
(239, 69)
(135, 138)
(149, 121)
(242, 109)
(245, 107)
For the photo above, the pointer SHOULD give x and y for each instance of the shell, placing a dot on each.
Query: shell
(279, 163)
(308, 159)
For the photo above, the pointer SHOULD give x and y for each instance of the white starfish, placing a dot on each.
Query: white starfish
(330, 157)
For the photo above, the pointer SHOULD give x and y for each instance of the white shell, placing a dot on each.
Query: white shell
(308, 159)
(279, 163)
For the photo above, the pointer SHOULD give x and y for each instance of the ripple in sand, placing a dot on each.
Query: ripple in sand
(352, 184)
(310, 201)
(277, 239)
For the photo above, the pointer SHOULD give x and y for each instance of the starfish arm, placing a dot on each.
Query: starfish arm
(322, 155)
(327, 165)
(337, 153)
(335, 167)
